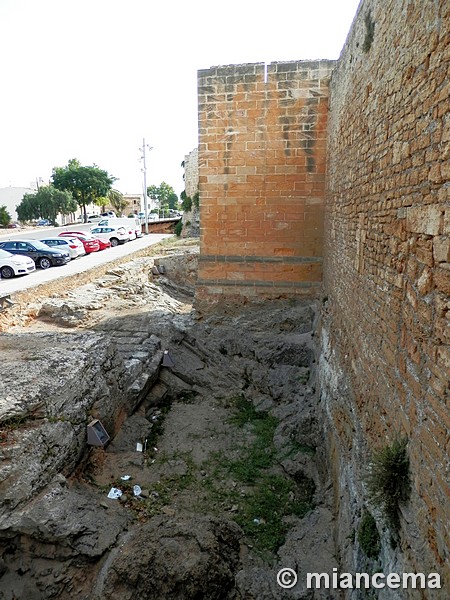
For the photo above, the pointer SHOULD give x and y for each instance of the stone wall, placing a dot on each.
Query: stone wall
(191, 218)
(191, 173)
(262, 179)
(385, 333)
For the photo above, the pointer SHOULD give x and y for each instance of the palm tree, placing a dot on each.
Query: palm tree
(117, 201)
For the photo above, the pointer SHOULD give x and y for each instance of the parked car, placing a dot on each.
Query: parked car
(90, 244)
(109, 213)
(73, 246)
(132, 226)
(43, 223)
(42, 255)
(92, 218)
(102, 243)
(14, 226)
(15, 264)
(116, 235)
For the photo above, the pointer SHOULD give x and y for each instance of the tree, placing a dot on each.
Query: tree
(102, 201)
(28, 209)
(117, 201)
(5, 217)
(164, 194)
(85, 183)
(46, 203)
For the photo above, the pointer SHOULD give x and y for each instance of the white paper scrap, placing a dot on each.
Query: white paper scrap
(114, 493)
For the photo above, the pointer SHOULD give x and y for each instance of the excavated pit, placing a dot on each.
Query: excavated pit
(232, 483)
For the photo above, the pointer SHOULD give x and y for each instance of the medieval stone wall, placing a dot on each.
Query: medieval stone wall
(191, 173)
(262, 179)
(385, 365)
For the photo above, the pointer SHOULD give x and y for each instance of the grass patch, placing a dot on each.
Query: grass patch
(262, 496)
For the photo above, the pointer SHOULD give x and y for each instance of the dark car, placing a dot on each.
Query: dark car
(42, 255)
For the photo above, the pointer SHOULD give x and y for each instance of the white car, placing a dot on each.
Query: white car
(15, 264)
(73, 246)
(116, 235)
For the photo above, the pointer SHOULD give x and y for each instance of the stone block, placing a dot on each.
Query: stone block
(424, 219)
(441, 249)
(446, 227)
(442, 281)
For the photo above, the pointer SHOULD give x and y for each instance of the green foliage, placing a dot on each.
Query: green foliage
(262, 514)
(117, 201)
(164, 194)
(186, 202)
(368, 536)
(85, 183)
(388, 480)
(46, 203)
(269, 496)
(102, 202)
(178, 228)
(196, 199)
(5, 217)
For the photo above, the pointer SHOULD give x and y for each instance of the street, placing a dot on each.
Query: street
(83, 263)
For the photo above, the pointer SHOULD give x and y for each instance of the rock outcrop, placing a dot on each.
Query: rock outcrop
(61, 536)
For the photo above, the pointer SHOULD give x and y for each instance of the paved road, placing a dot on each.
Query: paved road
(38, 233)
(83, 263)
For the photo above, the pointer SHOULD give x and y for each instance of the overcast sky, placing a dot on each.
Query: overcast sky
(89, 79)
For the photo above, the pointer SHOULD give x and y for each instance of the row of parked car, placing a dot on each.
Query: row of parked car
(20, 257)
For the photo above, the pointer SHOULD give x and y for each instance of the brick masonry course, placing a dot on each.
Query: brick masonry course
(262, 162)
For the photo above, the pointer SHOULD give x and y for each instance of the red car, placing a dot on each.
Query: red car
(103, 243)
(90, 244)
(85, 234)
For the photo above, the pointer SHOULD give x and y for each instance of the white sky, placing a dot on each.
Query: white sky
(89, 79)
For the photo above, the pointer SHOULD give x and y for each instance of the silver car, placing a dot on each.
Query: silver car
(73, 246)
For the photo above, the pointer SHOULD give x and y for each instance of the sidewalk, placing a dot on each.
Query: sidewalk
(79, 265)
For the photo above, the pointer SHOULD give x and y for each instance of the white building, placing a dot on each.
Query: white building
(11, 197)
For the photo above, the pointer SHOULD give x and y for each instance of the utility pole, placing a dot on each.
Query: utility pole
(144, 170)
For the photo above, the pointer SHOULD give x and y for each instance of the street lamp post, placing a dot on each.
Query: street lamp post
(144, 170)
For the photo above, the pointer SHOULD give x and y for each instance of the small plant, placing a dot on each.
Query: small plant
(178, 228)
(368, 536)
(186, 202)
(388, 480)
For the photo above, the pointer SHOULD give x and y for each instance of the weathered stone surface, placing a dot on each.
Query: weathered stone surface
(47, 542)
(424, 219)
(311, 534)
(49, 384)
(174, 557)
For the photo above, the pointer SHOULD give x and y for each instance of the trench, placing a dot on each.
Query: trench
(232, 482)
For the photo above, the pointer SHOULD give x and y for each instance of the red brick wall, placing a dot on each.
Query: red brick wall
(262, 166)
(386, 325)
